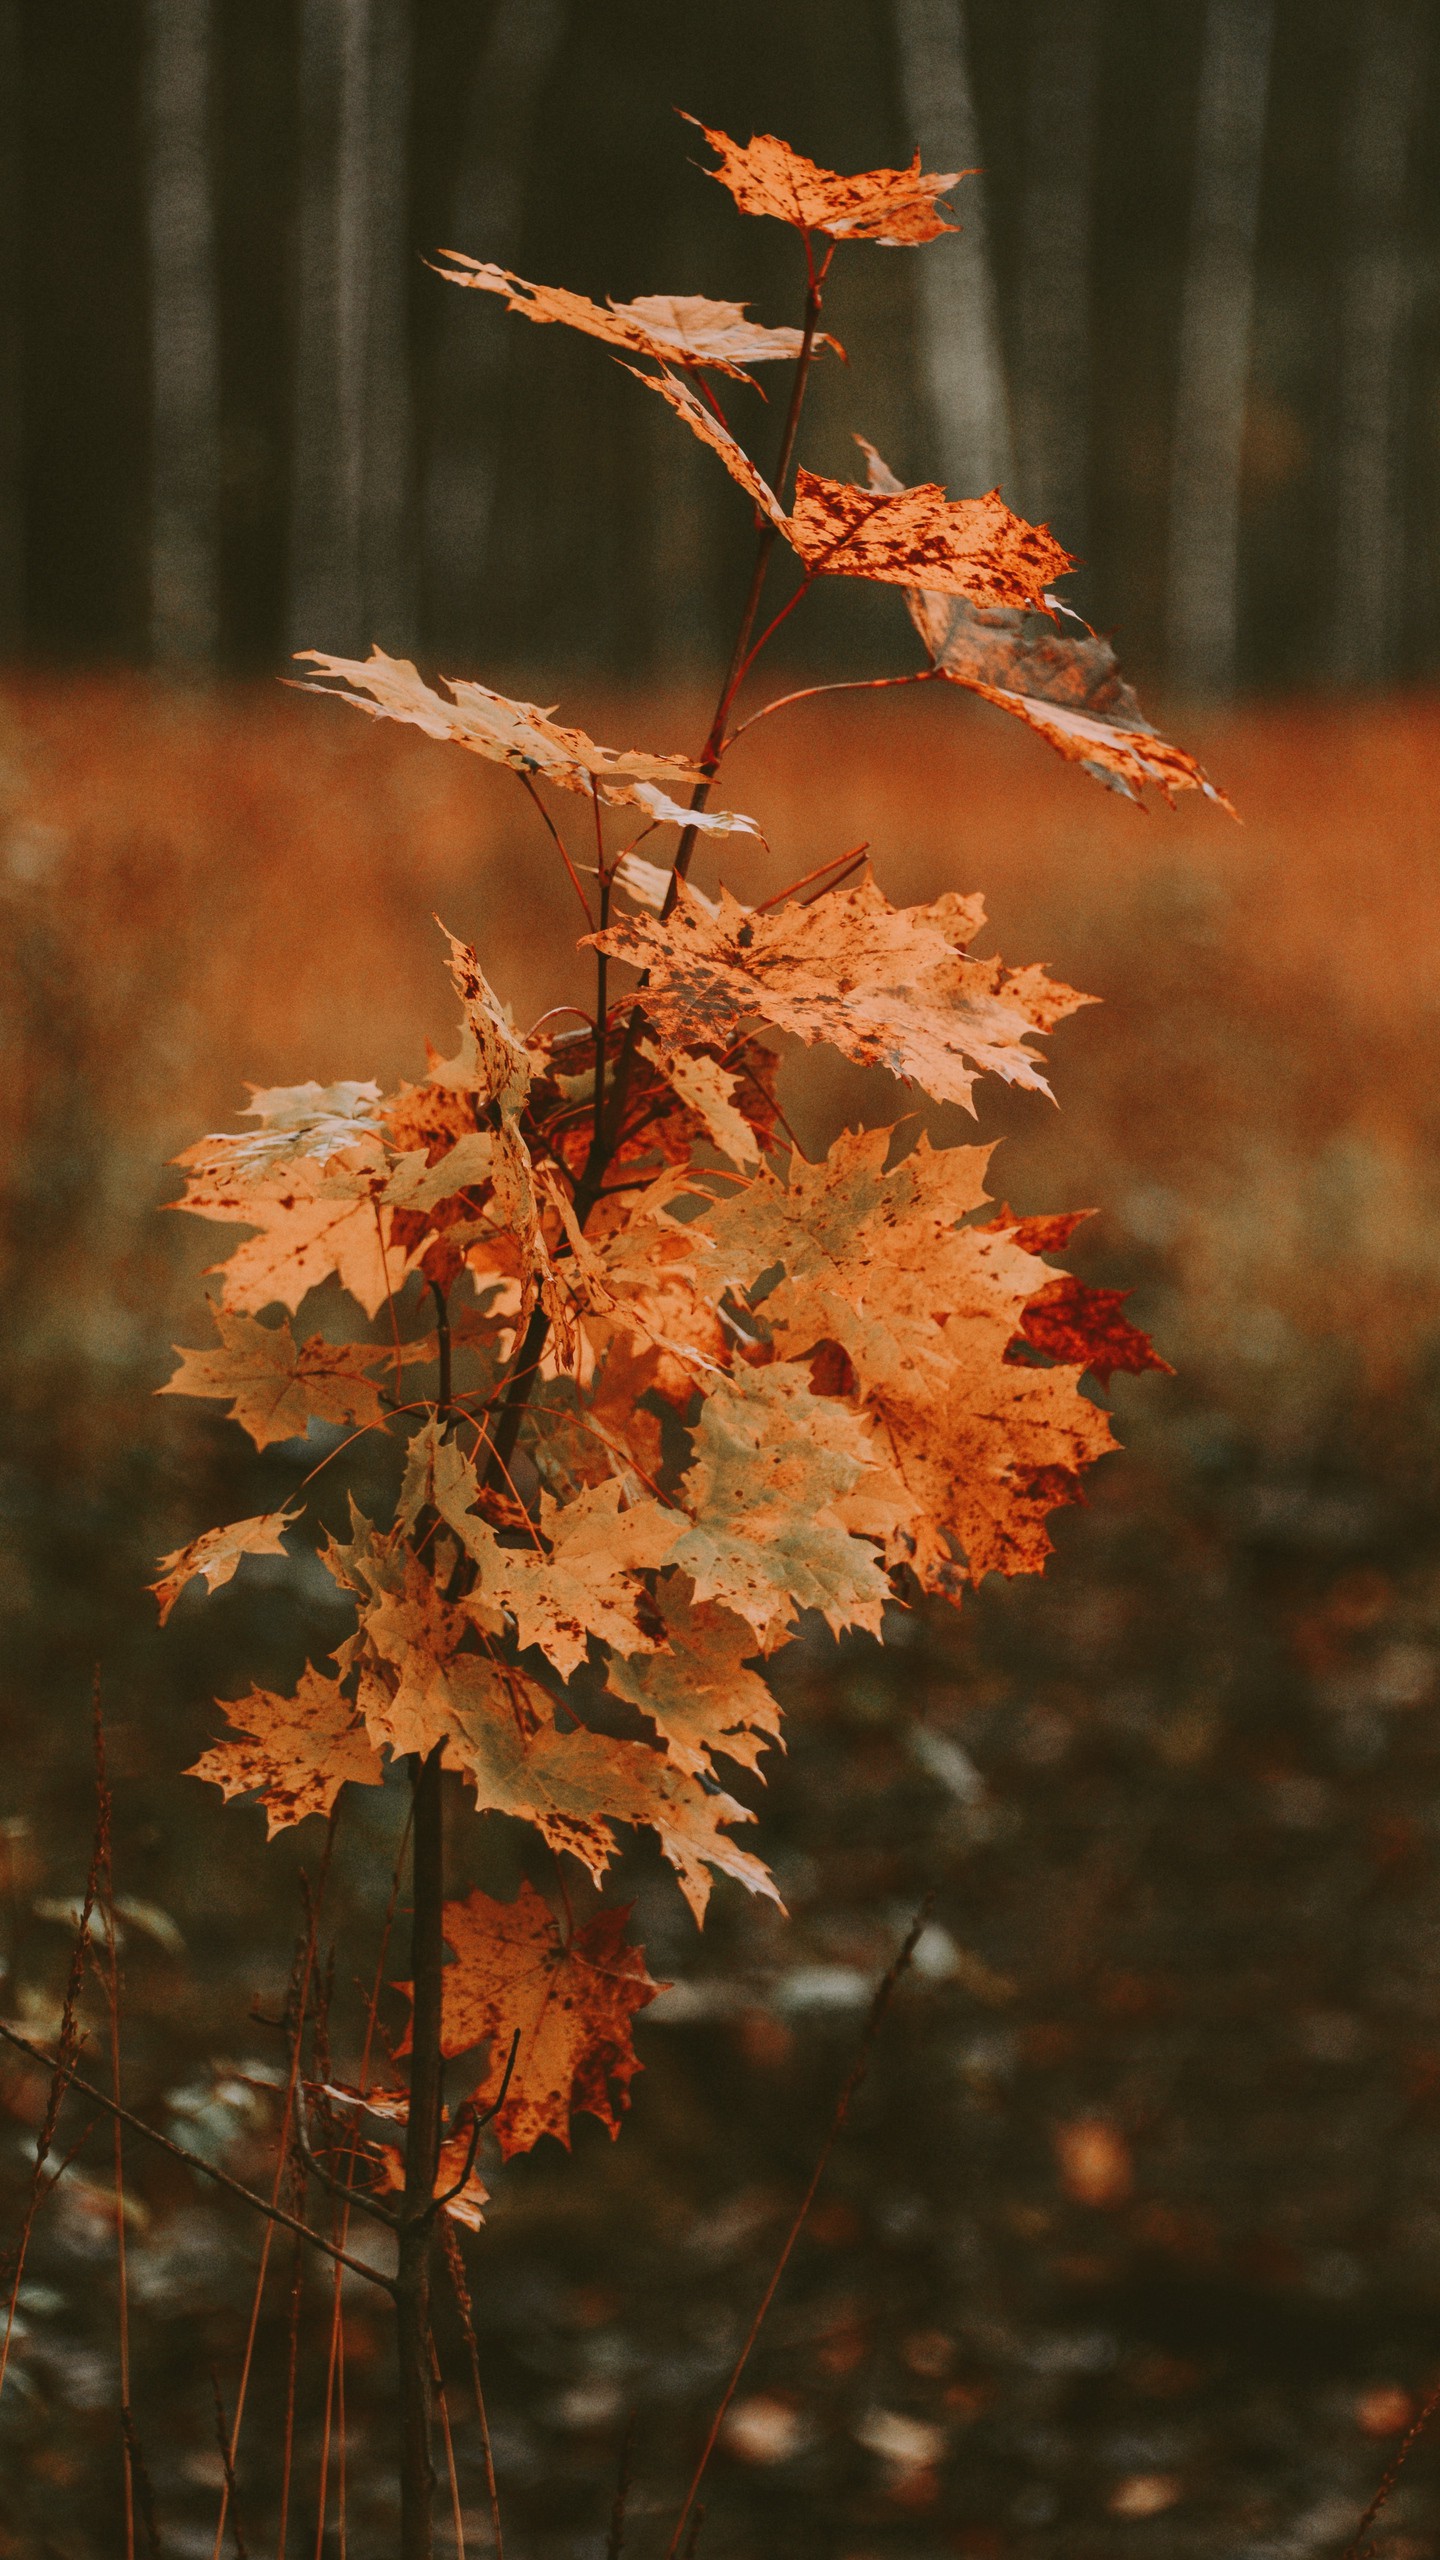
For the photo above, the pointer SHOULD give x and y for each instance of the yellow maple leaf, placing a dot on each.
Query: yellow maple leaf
(276, 1386)
(217, 1552)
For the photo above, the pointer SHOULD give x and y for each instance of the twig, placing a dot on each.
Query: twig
(225, 2438)
(1357, 2548)
(615, 2539)
(453, 2476)
(559, 843)
(455, 2266)
(853, 2079)
(854, 855)
(110, 1980)
(192, 2160)
(808, 692)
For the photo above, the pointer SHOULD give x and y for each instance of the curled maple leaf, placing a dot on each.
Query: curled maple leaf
(518, 734)
(672, 328)
(712, 430)
(1066, 685)
(296, 1753)
(889, 987)
(976, 548)
(216, 1554)
(570, 1999)
(896, 208)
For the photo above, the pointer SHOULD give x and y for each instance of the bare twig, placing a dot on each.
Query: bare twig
(615, 2539)
(455, 2266)
(192, 2160)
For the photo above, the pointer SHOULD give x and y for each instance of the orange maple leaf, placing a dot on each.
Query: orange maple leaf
(518, 734)
(888, 987)
(217, 1552)
(570, 1999)
(673, 328)
(314, 1218)
(971, 547)
(897, 208)
(277, 1386)
(297, 1753)
(1064, 684)
(697, 1688)
(925, 1307)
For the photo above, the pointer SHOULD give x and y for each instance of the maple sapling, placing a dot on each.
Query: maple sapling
(656, 1385)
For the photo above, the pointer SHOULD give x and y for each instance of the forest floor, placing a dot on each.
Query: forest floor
(1133, 2243)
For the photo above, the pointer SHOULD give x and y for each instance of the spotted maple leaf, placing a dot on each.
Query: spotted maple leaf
(216, 1554)
(571, 2000)
(697, 1688)
(275, 1386)
(976, 548)
(889, 987)
(704, 422)
(1061, 679)
(295, 1753)
(897, 208)
(924, 1304)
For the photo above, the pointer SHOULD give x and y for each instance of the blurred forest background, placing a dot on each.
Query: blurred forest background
(1134, 2243)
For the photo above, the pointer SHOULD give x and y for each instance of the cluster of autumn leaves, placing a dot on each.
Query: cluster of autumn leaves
(657, 1385)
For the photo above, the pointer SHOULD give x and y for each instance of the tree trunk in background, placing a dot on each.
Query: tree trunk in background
(1053, 297)
(520, 48)
(184, 359)
(1217, 310)
(963, 369)
(12, 375)
(351, 549)
(1377, 289)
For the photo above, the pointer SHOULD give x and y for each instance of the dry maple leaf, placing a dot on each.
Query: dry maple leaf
(771, 1460)
(896, 208)
(972, 547)
(1066, 686)
(574, 1787)
(314, 1219)
(275, 1386)
(571, 2001)
(889, 987)
(518, 734)
(1085, 1328)
(217, 1553)
(697, 1688)
(297, 1753)
(466, 2205)
(673, 328)
(924, 1307)
(712, 430)
(312, 1120)
(707, 1089)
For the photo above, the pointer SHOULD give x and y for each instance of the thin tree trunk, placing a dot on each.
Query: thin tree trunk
(1217, 311)
(184, 364)
(964, 373)
(1052, 333)
(422, 2155)
(1377, 289)
(350, 522)
(472, 342)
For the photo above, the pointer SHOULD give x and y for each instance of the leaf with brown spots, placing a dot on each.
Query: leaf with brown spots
(976, 548)
(1062, 681)
(1085, 1329)
(217, 1553)
(897, 208)
(571, 2000)
(704, 422)
(275, 1386)
(296, 1753)
(697, 1689)
(886, 986)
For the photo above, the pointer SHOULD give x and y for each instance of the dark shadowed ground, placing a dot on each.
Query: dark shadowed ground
(1133, 2244)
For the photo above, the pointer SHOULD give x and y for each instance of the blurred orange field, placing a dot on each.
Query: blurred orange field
(205, 887)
